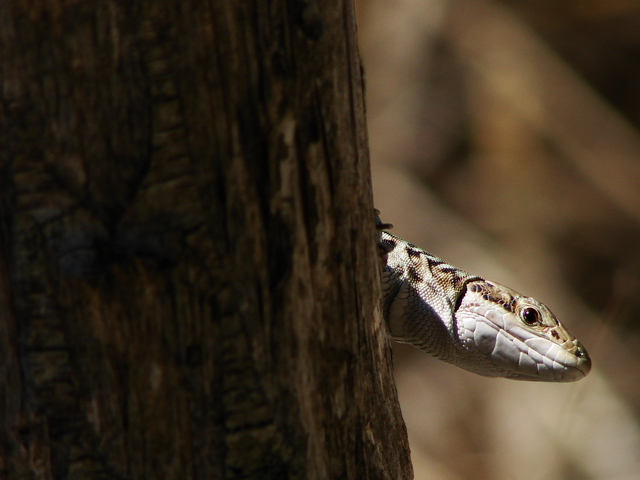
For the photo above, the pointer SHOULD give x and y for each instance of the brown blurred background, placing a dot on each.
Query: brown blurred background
(505, 139)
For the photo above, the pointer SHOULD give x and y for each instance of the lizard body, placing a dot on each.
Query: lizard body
(476, 324)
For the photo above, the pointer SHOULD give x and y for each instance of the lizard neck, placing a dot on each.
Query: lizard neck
(421, 293)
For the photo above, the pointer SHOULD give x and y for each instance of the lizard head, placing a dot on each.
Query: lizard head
(511, 335)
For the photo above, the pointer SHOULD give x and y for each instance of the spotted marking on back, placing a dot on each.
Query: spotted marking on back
(414, 274)
(492, 294)
(391, 243)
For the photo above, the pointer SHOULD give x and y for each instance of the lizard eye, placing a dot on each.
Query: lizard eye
(530, 316)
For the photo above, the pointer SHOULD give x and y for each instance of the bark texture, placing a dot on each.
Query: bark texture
(188, 283)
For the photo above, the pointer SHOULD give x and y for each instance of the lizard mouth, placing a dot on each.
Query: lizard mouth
(540, 358)
(512, 350)
(551, 354)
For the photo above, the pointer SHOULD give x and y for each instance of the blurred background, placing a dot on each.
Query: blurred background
(504, 138)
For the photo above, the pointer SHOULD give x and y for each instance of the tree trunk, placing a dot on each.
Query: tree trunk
(188, 272)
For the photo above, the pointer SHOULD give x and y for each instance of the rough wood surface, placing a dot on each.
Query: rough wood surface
(188, 284)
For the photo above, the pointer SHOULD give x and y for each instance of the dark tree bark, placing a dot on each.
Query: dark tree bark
(188, 280)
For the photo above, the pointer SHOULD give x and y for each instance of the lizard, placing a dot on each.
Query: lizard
(473, 323)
